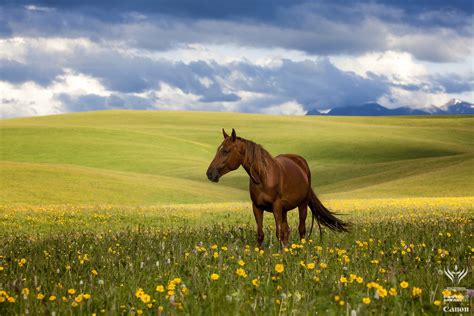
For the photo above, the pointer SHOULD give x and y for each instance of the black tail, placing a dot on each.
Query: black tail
(324, 216)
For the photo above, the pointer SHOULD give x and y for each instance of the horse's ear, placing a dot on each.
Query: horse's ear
(225, 134)
(234, 135)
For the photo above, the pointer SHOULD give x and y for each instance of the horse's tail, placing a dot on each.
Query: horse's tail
(324, 216)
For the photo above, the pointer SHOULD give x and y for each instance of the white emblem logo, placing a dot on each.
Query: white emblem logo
(457, 275)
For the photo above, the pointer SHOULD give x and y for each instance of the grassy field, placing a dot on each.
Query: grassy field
(200, 259)
(148, 158)
(110, 213)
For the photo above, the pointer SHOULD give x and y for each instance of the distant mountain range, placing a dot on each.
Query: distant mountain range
(453, 107)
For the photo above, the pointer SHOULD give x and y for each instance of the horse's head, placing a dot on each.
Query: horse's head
(228, 157)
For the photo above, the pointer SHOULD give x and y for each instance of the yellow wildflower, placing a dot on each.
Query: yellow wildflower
(256, 282)
(214, 277)
(366, 300)
(78, 298)
(382, 292)
(416, 291)
(404, 284)
(160, 288)
(241, 272)
(279, 267)
(145, 298)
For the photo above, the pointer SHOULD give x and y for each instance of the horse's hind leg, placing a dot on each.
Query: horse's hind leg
(303, 212)
(258, 213)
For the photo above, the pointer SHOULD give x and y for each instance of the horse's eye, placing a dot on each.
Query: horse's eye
(226, 151)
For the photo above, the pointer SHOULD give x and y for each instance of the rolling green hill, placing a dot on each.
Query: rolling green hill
(154, 157)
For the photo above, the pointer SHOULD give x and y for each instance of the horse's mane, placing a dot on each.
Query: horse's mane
(256, 156)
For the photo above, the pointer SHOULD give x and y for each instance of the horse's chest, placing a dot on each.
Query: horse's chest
(261, 198)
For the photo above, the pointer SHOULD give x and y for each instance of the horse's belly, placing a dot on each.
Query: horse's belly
(295, 186)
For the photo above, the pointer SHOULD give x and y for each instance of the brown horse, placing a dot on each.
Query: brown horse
(277, 184)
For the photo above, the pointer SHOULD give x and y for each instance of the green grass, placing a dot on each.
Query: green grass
(148, 158)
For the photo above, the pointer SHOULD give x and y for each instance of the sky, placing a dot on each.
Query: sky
(269, 56)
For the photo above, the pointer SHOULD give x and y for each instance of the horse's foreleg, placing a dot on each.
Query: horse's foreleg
(285, 229)
(303, 212)
(258, 213)
(277, 213)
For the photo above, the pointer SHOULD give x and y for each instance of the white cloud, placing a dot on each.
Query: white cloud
(398, 67)
(29, 98)
(287, 108)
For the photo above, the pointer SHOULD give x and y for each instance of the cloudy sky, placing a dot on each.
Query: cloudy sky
(270, 56)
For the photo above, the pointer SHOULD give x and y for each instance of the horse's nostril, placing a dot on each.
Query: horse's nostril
(210, 174)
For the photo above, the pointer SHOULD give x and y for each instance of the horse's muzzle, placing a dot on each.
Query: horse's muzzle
(213, 175)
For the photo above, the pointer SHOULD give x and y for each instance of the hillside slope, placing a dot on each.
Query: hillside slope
(151, 157)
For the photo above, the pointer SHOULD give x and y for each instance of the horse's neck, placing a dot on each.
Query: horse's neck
(256, 174)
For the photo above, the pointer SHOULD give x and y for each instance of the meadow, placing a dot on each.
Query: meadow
(110, 213)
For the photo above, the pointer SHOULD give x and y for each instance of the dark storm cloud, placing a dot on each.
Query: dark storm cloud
(270, 11)
(313, 84)
(452, 83)
(91, 102)
(15, 72)
(315, 27)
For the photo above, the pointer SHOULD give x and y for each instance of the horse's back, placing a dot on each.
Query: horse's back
(300, 161)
